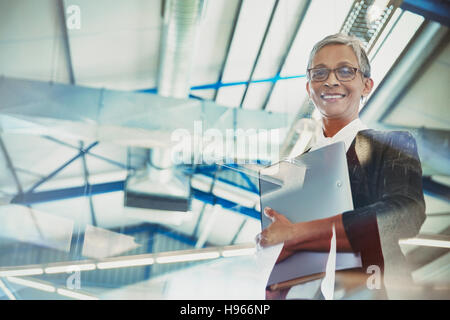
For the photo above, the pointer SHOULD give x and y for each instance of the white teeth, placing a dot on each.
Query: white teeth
(337, 96)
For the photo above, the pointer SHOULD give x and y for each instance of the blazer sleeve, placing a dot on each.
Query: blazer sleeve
(396, 176)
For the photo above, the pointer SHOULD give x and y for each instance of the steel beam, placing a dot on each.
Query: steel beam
(68, 193)
(436, 189)
(62, 15)
(55, 172)
(86, 181)
(10, 166)
(263, 41)
(113, 162)
(76, 192)
(219, 84)
(437, 10)
(230, 40)
(283, 60)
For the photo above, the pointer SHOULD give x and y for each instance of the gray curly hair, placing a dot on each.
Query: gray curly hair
(351, 41)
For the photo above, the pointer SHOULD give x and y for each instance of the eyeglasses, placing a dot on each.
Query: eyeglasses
(344, 73)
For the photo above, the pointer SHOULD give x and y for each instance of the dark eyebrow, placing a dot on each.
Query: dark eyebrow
(345, 63)
(340, 64)
(319, 66)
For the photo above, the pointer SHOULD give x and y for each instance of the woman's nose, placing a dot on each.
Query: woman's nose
(332, 81)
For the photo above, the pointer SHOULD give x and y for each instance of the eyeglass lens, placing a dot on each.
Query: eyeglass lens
(342, 74)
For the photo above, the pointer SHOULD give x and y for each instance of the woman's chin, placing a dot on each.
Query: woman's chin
(336, 112)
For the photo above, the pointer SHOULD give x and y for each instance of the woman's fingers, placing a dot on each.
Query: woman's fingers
(273, 234)
(277, 232)
(270, 213)
(262, 239)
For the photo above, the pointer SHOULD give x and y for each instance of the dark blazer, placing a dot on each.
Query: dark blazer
(386, 182)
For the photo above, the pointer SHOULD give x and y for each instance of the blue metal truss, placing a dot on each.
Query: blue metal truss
(110, 161)
(30, 198)
(220, 84)
(213, 199)
(55, 172)
(101, 188)
(208, 170)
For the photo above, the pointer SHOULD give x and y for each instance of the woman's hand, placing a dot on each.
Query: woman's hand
(285, 253)
(279, 231)
(312, 235)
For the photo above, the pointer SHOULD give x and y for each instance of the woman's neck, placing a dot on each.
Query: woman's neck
(332, 126)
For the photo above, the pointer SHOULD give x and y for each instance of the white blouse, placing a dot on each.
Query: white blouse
(346, 134)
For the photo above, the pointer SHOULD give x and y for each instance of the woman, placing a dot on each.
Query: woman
(384, 167)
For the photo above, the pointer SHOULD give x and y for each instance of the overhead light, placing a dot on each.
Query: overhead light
(32, 284)
(70, 268)
(75, 295)
(431, 241)
(49, 288)
(188, 257)
(21, 272)
(138, 260)
(238, 252)
(367, 20)
(125, 263)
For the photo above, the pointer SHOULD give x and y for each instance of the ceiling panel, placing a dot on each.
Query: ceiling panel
(117, 46)
(283, 28)
(256, 95)
(32, 42)
(42, 160)
(287, 96)
(426, 103)
(320, 21)
(230, 96)
(393, 46)
(214, 32)
(249, 32)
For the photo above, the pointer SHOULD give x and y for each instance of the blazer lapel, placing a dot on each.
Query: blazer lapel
(357, 175)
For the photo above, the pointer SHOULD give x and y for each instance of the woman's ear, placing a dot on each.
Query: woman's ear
(368, 86)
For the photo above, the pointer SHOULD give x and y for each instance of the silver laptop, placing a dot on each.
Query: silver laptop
(312, 186)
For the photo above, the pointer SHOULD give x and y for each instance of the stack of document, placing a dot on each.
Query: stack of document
(315, 185)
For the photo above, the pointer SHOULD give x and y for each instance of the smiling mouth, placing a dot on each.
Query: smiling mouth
(333, 96)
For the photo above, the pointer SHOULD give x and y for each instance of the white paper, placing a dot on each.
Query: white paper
(327, 285)
(234, 278)
(265, 260)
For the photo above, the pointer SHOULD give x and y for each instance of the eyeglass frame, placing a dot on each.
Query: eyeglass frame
(335, 74)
